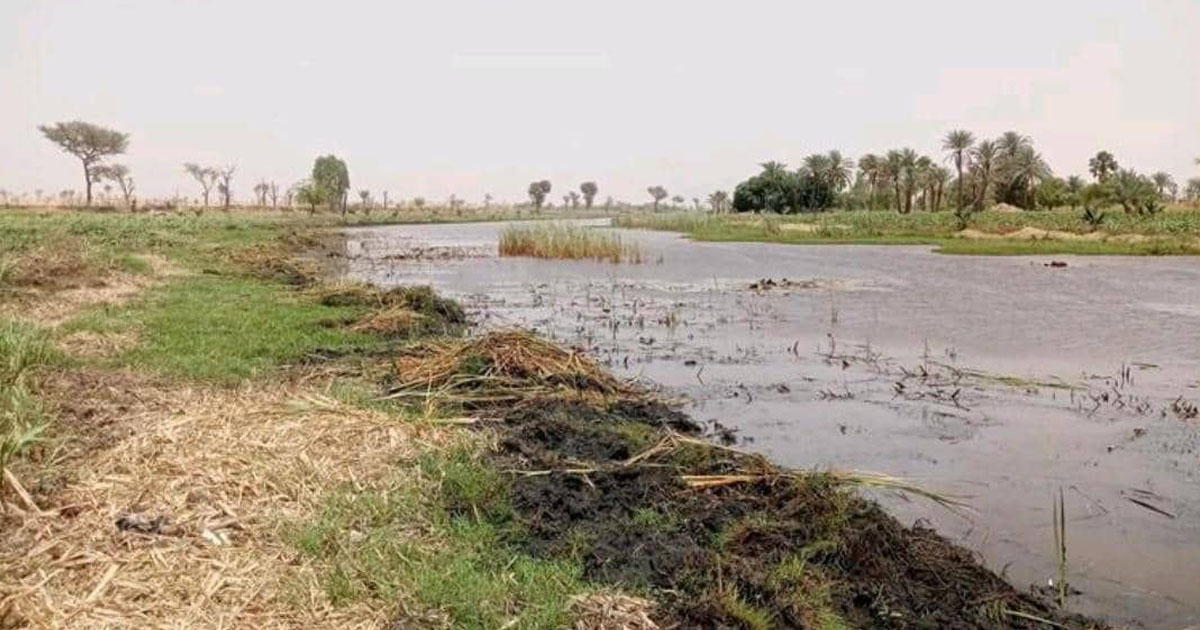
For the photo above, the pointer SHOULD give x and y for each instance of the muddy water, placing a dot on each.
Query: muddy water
(998, 379)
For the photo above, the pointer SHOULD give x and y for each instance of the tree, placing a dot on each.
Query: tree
(776, 189)
(273, 193)
(90, 143)
(260, 193)
(487, 200)
(1102, 166)
(573, 197)
(332, 178)
(418, 202)
(364, 198)
(719, 201)
(118, 174)
(658, 193)
(1136, 193)
(1192, 189)
(225, 186)
(538, 191)
(870, 168)
(983, 163)
(893, 172)
(908, 161)
(206, 176)
(309, 194)
(1074, 191)
(589, 190)
(677, 200)
(1163, 182)
(957, 145)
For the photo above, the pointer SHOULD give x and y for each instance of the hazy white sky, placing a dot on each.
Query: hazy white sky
(472, 97)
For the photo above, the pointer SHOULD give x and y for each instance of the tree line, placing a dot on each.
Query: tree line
(972, 175)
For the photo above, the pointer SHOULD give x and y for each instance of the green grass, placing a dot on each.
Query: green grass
(567, 241)
(1175, 232)
(23, 348)
(225, 329)
(439, 535)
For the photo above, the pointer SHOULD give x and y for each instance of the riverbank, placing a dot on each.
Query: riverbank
(214, 433)
(1172, 232)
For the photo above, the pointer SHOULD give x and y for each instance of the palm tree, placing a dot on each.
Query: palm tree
(983, 161)
(1027, 169)
(1011, 143)
(773, 168)
(958, 144)
(1102, 166)
(840, 170)
(893, 169)
(817, 165)
(908, 161)
(938, 176)
(869, 167)
(1162, 181)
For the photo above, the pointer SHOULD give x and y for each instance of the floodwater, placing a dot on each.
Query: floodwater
(997, 379)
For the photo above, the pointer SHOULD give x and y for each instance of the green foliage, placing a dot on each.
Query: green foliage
(439, 536)
(1102, 166)
(225, 329)
(330, 180)
(538, 191)
(589, 190)
(23, 348)
(1135, 193)
(778, 190)
(90, 143)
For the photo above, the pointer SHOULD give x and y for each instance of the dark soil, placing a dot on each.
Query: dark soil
(773, 553)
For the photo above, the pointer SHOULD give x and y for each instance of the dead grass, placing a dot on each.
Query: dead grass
(612, 611)
(177, 524)
(501, 367)
(567, 241)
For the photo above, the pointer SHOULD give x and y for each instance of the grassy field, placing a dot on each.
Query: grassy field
(1174, 232)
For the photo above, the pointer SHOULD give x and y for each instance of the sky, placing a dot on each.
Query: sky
(481, 96)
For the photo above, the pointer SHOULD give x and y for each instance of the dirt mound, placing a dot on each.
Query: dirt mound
(1004, 207)
(725, 540)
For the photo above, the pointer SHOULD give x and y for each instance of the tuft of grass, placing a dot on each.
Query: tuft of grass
(567, 241)
(437, 536)
(22, 417)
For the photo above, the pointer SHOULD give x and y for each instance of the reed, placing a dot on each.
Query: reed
(555, 240)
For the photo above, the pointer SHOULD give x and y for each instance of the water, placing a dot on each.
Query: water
(949, 371)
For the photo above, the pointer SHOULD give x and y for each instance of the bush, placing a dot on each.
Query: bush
(777, 190)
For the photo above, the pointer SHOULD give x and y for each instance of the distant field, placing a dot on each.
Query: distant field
(1173, 232)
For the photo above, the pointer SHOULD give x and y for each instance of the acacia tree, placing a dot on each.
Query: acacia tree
(118, 174)
(538, 191)
(90, 143)
(332, 179)
(658, 193)
(206, 176)
(589, 190)
(225, 187)
(958, 145)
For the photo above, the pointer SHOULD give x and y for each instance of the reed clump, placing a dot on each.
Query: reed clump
(501, 367)
(567, 242)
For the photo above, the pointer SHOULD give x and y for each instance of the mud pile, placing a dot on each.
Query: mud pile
(749, 547)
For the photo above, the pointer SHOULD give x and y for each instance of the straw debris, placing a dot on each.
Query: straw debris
(501, 367)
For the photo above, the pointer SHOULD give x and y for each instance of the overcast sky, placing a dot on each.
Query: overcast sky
(472, 97)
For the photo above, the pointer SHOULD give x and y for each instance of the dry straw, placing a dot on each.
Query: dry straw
(178, 524)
